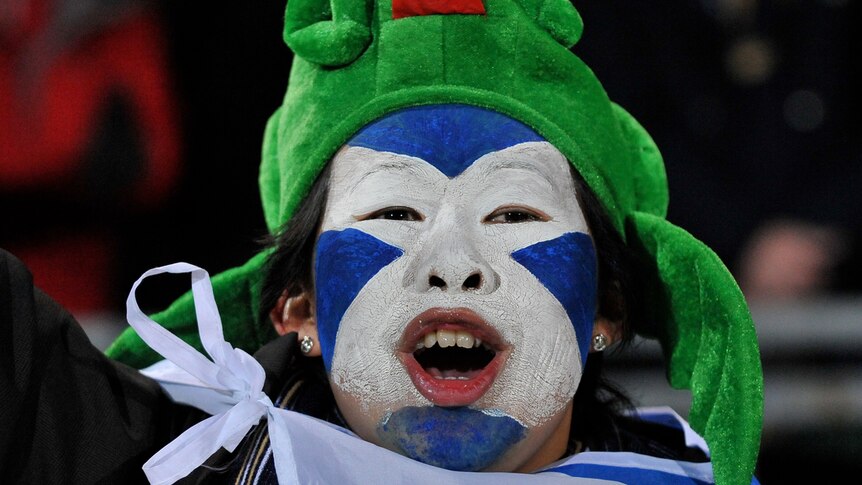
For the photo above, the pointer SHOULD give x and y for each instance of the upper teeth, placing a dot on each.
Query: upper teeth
(449, 338)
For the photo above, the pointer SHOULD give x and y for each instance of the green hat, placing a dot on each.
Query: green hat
(356, 61)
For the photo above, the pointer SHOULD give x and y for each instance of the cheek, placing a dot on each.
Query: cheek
(344, 262)
(566, 266)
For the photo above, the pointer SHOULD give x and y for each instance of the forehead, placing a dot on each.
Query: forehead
(449, 137)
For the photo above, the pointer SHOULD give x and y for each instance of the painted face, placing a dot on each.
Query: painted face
(456, 285)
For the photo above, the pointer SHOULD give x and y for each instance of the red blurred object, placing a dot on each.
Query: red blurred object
(86, 114)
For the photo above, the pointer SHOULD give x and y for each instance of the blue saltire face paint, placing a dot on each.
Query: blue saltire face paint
(567, 267)
(449, 137)
(345, 261)
(454, 210)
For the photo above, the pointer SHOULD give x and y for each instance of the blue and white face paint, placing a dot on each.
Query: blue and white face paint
(453, 233)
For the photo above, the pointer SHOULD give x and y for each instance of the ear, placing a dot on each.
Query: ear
(296, 314)
(611, 329)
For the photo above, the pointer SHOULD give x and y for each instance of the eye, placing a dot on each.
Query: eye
(394, 214)
(514, 215)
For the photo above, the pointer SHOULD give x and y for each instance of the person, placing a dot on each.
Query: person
(463, 223)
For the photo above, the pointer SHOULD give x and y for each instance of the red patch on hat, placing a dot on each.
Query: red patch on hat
(414, 8)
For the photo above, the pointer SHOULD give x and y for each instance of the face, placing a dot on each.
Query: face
(455, 287)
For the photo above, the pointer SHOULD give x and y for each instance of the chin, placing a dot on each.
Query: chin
(460, 438)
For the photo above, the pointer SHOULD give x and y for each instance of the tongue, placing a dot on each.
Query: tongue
(452, 374)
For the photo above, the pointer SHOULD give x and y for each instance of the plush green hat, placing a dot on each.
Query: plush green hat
(357, 60)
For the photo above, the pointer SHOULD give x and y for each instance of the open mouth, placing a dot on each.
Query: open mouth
(452, 355)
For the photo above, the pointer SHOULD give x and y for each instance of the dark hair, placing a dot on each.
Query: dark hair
(598, 405)
(289, 267)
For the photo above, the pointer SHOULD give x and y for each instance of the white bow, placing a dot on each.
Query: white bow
(232, 373)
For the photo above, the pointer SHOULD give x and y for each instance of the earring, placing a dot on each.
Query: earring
(306, 344)
(600, 342)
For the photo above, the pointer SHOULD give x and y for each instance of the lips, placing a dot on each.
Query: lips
(452, 355)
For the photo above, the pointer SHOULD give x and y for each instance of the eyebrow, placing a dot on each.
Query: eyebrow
(392, 165)
(518, 163)
(395, 162)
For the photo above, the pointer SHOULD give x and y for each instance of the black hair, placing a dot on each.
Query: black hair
(598, 405)
(289, 267)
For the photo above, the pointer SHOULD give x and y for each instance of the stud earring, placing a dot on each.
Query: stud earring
(306, 344)
(600, 342)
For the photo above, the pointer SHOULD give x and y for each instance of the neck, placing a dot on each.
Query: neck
(553, 449)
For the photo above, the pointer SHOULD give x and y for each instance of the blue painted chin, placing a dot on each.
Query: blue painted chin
(461, 439)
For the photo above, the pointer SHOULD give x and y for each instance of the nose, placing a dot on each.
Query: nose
(455, 269)
(473, 282)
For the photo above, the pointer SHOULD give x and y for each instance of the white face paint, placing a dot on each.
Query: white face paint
(459, 229)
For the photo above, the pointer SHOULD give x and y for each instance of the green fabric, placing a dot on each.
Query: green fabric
(504, 61)
(708, 340)
(354, 64)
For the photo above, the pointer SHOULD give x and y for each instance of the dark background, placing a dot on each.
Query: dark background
(231, 69)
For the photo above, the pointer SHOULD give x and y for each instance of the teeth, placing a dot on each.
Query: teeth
(464, 340)
(445, 338)
(449, 338)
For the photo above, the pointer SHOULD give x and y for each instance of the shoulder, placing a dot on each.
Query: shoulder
(648, 445)
(662, 433)
(655, 431)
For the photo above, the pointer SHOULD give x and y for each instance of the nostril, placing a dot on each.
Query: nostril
(473, 282)
(436, 281)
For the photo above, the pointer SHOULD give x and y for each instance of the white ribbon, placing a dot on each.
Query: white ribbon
(233, 374)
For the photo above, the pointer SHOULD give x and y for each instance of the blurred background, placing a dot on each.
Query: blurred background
(754, 105)
(130, 134)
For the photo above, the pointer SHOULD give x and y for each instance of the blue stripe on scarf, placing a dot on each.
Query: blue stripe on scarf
(640, 476)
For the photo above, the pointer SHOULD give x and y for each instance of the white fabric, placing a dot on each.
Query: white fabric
(232, 376)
